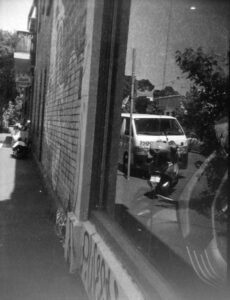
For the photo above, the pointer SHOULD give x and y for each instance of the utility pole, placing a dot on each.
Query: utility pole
(167, 44)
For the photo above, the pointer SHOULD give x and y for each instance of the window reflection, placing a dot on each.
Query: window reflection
(187, 228)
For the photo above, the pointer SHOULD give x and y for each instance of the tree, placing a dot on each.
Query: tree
(207, 99)
(141, 85)
(141, 104)
(167, 91)
(12, 113)
(7, 78)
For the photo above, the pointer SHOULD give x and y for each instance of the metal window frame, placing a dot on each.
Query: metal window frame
(109, 101)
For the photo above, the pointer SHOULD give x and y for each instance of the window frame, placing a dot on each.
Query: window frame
(109, 100)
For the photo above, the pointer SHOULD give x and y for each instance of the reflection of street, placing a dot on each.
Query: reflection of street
(203, 223)
(158, 215)
(136, 189)
(162, 218)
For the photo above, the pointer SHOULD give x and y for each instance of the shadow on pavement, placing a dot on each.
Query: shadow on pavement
(32, 262)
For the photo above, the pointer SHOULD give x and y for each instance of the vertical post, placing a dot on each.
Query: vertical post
(131, 110)
(228, 209)
(167, 44)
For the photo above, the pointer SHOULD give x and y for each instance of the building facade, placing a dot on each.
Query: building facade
(82, 54)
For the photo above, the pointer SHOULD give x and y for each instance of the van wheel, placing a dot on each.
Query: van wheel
(125, 163)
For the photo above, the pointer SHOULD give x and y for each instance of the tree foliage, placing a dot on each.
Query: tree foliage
(141, 85)
(142, 103)
(167, 91)
(207, 99)
(7, 78)
(12, 113)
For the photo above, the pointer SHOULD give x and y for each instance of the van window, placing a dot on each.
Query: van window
(157, 127)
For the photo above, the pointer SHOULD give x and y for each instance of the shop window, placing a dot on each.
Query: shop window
(181, 49)
(175, 229)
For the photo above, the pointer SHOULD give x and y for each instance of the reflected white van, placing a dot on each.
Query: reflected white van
(146, 129)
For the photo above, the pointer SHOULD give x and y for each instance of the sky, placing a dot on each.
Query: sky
(14, 14)
(157, 30)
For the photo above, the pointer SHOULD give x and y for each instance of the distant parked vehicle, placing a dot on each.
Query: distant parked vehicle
(20, 146)
(146, 130)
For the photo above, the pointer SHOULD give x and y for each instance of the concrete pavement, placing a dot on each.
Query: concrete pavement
(32, 265)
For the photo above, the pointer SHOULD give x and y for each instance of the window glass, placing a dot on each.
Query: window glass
(176, 213)
(157, 126)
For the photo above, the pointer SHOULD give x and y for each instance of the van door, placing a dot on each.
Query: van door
(124, 138)
(126, 135)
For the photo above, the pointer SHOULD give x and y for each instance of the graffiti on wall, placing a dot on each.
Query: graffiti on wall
(70, 38)
(98, 278)
(64, 97)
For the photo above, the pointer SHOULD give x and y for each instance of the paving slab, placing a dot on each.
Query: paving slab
(32, 265)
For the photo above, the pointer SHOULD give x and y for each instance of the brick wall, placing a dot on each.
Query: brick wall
(41, 74)
(57, 143)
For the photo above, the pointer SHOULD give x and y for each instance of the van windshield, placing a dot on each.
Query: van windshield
(158, 127)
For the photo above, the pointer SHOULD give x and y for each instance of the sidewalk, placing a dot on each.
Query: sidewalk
(32, 265)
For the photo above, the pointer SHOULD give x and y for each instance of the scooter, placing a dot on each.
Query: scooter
(163, 167)
(20, 145)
